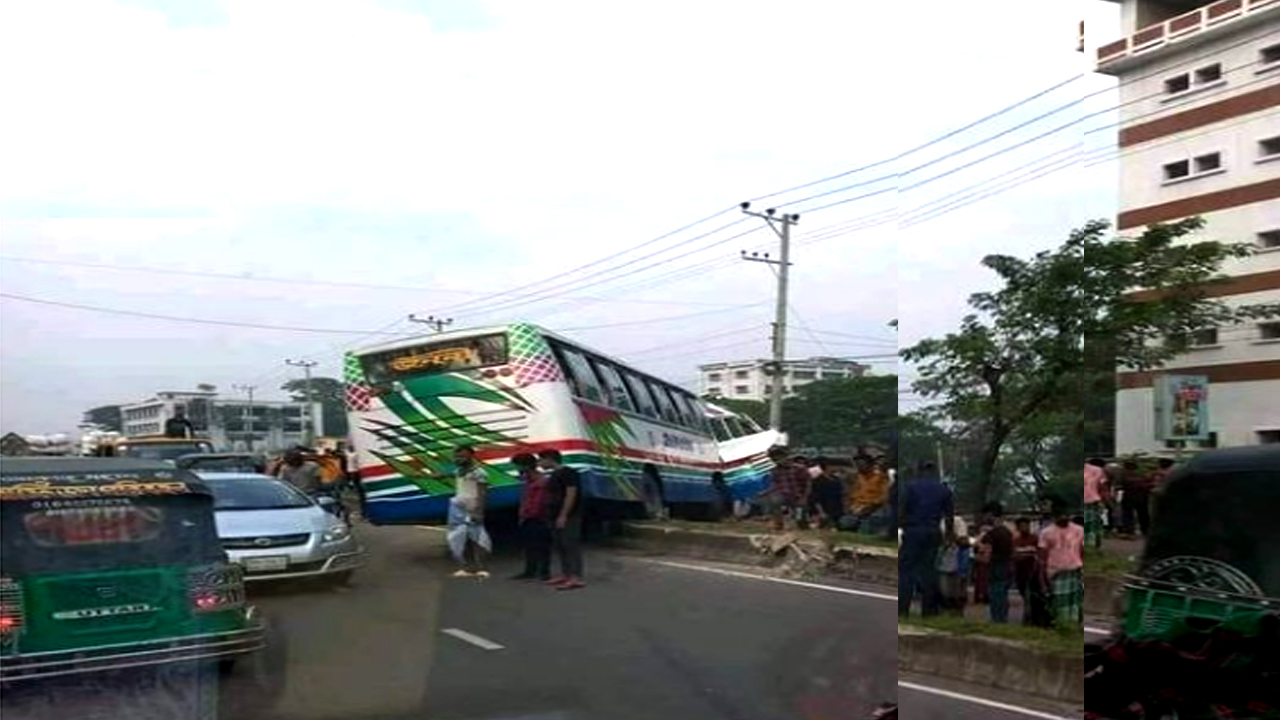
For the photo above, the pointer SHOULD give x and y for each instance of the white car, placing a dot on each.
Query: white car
(275, 531)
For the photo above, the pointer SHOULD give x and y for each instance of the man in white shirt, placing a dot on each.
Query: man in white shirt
(466, 513)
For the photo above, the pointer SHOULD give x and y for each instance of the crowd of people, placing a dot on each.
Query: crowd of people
(948, 563)
(823, 493)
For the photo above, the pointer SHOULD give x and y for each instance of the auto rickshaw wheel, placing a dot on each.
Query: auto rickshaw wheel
(255, 682)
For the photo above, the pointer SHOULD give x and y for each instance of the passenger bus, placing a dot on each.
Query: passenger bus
(520, 388)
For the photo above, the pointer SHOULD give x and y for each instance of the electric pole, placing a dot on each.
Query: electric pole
(781, 225)
(248, 423)
(431, 320)
(309, 431)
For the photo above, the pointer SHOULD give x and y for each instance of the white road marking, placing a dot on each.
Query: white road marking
(770, 578)
(980, 701)
(1096, 631)
(476, 640)
(432, 528)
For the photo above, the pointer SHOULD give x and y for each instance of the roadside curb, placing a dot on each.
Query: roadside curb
(991, 662)
(847, 560)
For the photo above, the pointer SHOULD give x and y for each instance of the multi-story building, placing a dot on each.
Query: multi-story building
(748, 380)
(231, 423)
(1200, 136)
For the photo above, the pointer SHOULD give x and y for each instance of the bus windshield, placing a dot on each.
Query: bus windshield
(439, 357)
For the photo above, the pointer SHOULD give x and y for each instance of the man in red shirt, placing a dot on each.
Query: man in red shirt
(788, 492)
(535, 519)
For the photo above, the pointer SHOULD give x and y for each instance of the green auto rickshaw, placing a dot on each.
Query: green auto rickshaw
(114, 563)
(1200, 632)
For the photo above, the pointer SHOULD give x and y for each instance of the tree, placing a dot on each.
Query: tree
(843, 412)
(108, 417)
(330, 394)
(1065, 319)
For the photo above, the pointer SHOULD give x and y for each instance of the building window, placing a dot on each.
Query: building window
(714, 377)
(1269, 55)
(1269, 331)
(1269, 437)
(1207, 337)
(715, 391)
(1177, 84)
(1195, 167)
(803, 374)
(1208, 163)
(1209, 74)
(1177, 170)
(1198, 78)
(1269, 149)
(1269, 239)
(741, 390)
(742, 374)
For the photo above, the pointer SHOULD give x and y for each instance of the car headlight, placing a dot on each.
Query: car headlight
(337, 533)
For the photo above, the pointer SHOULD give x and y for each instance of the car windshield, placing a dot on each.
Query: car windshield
(254, 494)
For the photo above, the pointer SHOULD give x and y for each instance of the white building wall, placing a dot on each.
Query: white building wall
(1142, 180)
(1143, 96)
(1237, 413)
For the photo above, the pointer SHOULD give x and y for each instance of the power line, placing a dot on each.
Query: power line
(173, 318)
(731, 238)
(301, 281)
(930, 143)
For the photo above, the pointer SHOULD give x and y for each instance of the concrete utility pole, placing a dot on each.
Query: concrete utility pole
(431, 320)
(780, 224)
(309, 430)
(248, 423)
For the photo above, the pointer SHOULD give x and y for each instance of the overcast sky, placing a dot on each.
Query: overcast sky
(334, 166)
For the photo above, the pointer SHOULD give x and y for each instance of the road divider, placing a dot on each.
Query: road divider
(806, 555)
(992, 662)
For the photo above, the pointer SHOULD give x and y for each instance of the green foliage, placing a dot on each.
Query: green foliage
(328, 392)
(842, 412)
(1019, 368)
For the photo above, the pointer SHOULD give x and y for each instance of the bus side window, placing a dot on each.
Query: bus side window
(720, 430)
(665, 406)
(613, 383)
(688, 417)
(692, 410)
(585, 382)
(736, 430)
(644, 401)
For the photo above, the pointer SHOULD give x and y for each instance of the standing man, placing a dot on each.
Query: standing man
(179, 426)
(999, 543)
(564, 494)
(535, 520)
(788, 491)
(925, 507)
(300, 472)
(1095, 495)
(466, 514)
(1062, 551)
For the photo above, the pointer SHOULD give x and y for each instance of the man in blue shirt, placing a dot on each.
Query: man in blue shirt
(924, 506)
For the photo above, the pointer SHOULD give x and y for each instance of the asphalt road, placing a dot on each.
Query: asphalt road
(644, 640)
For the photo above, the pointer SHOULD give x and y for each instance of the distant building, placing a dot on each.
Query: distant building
(748, 380)
(1199, 135)
(231, 423)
